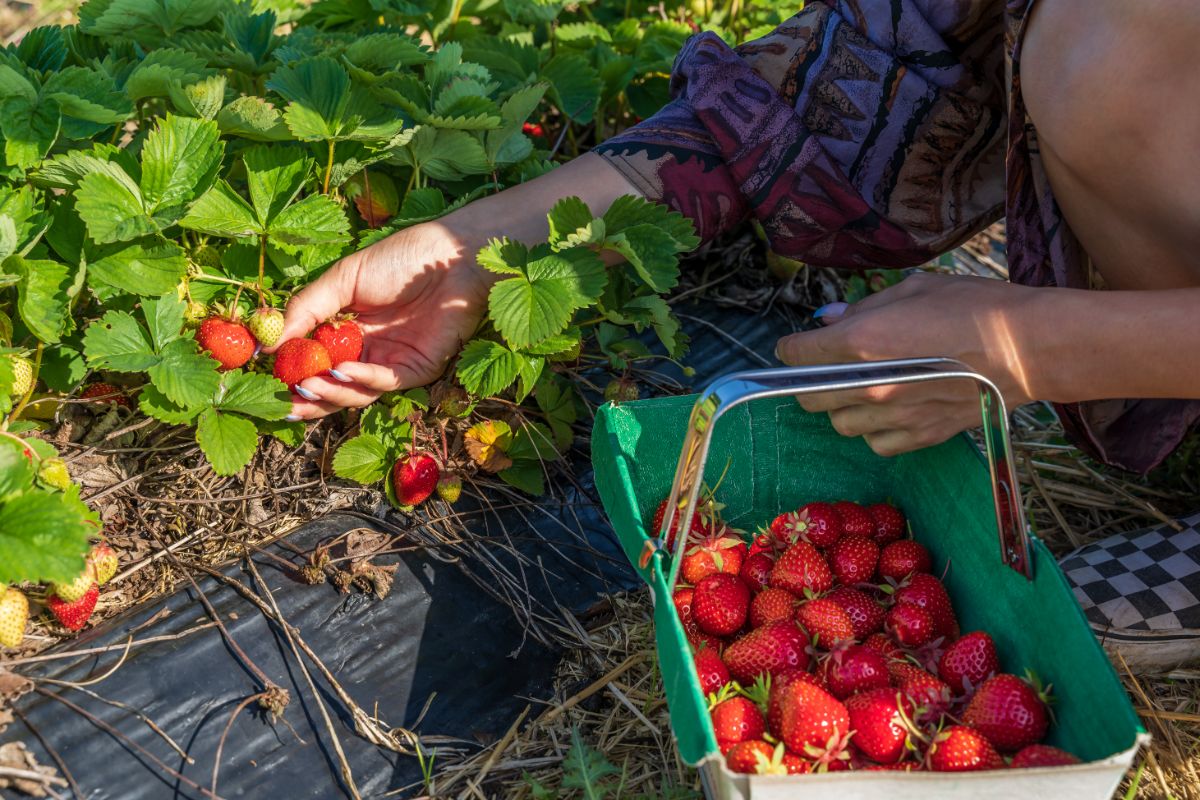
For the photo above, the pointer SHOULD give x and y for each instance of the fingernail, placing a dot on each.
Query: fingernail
(307, 395)
(257, 350)
(830, 310)
(338, 376)
(292, 418)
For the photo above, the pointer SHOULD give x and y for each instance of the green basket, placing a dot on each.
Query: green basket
(779, 457)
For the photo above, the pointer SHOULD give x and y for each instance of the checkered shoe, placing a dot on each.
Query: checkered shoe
(1141, 594)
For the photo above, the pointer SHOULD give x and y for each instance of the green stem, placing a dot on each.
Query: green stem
(37, 365)
(329, 167)
(262, 266)
(455, 11)
(204, 276)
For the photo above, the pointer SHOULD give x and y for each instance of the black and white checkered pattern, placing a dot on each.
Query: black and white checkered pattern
(1144, 581)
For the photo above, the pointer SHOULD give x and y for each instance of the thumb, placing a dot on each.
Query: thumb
(318, 301)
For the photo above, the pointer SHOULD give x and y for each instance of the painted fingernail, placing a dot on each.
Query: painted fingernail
(292, 418)
(257, 350)
(307, 395)
(830, 310)
(338, 376)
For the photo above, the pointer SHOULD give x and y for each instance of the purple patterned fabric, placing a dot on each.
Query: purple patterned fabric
(859, 133)
(1042, 251)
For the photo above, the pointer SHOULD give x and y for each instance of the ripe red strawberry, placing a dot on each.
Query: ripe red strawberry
(683, 607)
(855, 519)
(342, 338)
(910, 625)
(77, 587)
(720, 551)
(884, 645)
(756, 571)
(926, 591)
(711, 670)
(775, 687)
(826, 622)
(737, 719)
(969, 661)
(104, 563)
(105, 392)
(721, 603)
(414, 478)
(230, 343)
(961, 749)
(817, 523)
(771, 649)
(801, 568)
(853, 669)
(699, 526)
(750, 758)
(14, 613)
(901, 766)
(1008, 711)
(814, 722)
(878, 718)
(1042, 755)
(298, 359)
(772, 605)
(902, 558)
(702, 639)
(74, 615)
(852, 559)
(925, 689)
(533, 129)
(890, 524)
(866, 615)
(266, 324)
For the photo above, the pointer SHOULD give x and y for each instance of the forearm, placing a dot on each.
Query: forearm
(1104, 345)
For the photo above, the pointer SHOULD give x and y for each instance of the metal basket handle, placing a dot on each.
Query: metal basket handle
(736, 388)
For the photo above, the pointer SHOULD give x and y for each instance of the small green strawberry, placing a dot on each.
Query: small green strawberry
(207, 256)
(53, 472)
(77, 588)
(22, 375)
(620, 390)
(267, 326)
(14, 613)
(449, 488)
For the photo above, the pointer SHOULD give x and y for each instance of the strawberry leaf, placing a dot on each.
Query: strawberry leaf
(30, 127)
(487, 368)
(542, 301)
(148, 267)
(574, 86)
(110, 203)
(526, 476)
(314, 220)
(228, 440)
(566, 217)
(222, 212)
(253, 118)
(184, 375)
(275, 176)
(43, 296)
(43, 536)
(117, 342)
(179, 162)
(651, 252)
(630, 210)
(363, 459)
(153, 403)
(255, 395)
(164, 317)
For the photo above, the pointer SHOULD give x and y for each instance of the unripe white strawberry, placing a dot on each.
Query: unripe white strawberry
(22, 375)
(14, 613)
(267, 326)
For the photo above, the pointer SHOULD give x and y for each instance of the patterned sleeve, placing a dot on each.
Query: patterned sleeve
(860, 133)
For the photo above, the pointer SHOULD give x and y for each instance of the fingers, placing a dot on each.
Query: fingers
(381, 377)
(319, 301)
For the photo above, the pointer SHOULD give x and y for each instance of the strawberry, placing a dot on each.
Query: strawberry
(816, 523)
(855, 519)
(105, 392)
(961, 749)
(925, 689)
(814, 722)
(683, 608)
(890, 524)
(22, 369)
(884, 645)
(900, 766)
(74, 614)
(227, 341)
(866, 615)
(76, 588)
(266, 324)
(879, 718)
(736, 719)
(1042, 755)
(721, 603)
(698, 527)
(621, 390)
(801, 567)
(774, 688)
(926, 591)
(852, 669)
(449, 487)
(968, 662)
(298, 359)
(902, 558)
(702, 639)
(910, 625)
(14, 613)
(711, 670)
(772, 605)
(104, 562)
(533, 129)
(852, 559)
(751, 757)
(771, 649)
(1008, 711)
(414, 477)
(719, 551)
(342, 338)
(826, 622)
(756, 571)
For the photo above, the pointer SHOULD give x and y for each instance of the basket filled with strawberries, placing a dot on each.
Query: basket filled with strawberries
(838, 624)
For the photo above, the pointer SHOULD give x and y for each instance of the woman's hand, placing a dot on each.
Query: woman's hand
(988, 324)
(417, 295)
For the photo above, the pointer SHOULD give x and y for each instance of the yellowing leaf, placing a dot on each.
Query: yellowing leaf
(486, 443)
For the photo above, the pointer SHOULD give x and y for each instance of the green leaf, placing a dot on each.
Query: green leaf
(147, 267)
(540, 303)
(63, 368)
(253, 118)
(16, 467)
(161, 69)
(275, 176)
(290, 433)
(164, 317)
(65, 170)
(43, 296)
(526, 476)
(445, 155)
(185, 376)
(179, 162)
(363, 459)
(255, 395)
(652, 253)
(112, 208)
(153, 403)
(574, 86)
(229, 441)
(630, 210)
(566, 217)
(117, 342)
(202, 98)
(585, 768)
(533, 442)
(87, 95)
(43, 536)
(317, 92)
(506, 144)
(314, 220)
(487, 368)
(30, 128)
(222, 212)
